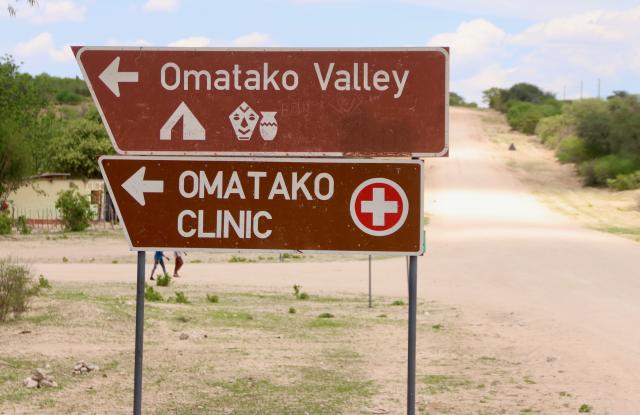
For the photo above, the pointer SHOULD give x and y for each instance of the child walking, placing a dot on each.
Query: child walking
(178, 262)
(158, 258)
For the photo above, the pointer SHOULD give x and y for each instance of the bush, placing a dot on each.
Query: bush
(596, 172)
(625, 181)
(572, 150)
(16, 288)
(152, 295)
(554, 129)
(303, 296)
(43, 282)
(5, 224)
(292, 310)
(75, 210)
(181, 298)
(212, 298)
(163, 280)
(326, 315)
(68, 97)
(524, 116)
(398, 302)
(23, 225)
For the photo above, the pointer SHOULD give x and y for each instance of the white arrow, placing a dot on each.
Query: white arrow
(112, 78)
(137, 186)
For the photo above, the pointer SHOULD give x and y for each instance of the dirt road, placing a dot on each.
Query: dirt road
(563, 298)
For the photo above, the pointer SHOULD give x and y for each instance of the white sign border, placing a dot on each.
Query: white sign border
(442, 50)
(418, 162)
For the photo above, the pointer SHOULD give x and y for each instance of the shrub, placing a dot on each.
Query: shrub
(398, 302)
(554, 129)
(181, 298)
(68, 97)
(303, 296)
(524, 116)
(75, 210)
(212, 298)
(326, 315)
(16, 288)
(5, 224)
(292, 310)
(23, 225)
(43, 282)
(152, 295)
(572, 150)
(625, 181)
(596, 172)
(163, 280)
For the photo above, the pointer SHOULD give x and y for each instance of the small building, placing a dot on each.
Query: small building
(36, 198)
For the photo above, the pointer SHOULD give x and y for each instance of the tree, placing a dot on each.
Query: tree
(77, 149)
(20, 104)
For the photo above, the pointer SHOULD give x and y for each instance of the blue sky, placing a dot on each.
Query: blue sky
(555, 44)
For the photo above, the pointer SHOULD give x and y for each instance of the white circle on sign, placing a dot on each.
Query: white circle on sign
(379, 206)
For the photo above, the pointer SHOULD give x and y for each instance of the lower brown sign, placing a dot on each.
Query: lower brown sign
(280, 205)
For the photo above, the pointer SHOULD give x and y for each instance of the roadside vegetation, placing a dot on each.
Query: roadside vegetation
(600, 137)
(455, 100)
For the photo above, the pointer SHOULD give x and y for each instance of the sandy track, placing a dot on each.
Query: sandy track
(565, 297)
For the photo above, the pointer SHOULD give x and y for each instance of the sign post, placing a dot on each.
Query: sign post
(137, 381)
(317, 102)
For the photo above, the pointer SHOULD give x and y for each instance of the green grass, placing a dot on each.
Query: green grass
(308, 390)
(238, 259)
(585, 408)
(444, 383)
(631, 232)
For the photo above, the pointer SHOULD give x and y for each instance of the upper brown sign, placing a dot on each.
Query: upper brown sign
(330, 102)
(268, 204)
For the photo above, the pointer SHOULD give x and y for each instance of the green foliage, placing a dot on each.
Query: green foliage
(298, 294)
(68, 97)
(16, 288)
(77, 149)
(502, 99)
(625, 181)
(597, 171)
(303, 296)
(292, 310)
(239, 259)
(398, 302)
(524, 116)
(181, 298)
(572, 150)
(75, 210)
(43, 282)
(554, 129)
(584, 408)
(5, 224)
(23, 226)
(326, 315)
(592, 121)
(152, 295)
(456, 100)
(212, 298)
(163, 280)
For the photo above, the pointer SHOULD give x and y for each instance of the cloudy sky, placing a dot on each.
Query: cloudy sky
(553, 43)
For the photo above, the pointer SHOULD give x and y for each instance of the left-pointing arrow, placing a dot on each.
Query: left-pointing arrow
(112, 78)
(137, 186)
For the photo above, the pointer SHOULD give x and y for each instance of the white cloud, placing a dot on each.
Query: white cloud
(160, 5)
(540, 10)
(191, 42)
(555, 54)
(254, 39)
(43, 45)
(48, 11)
(472, 40)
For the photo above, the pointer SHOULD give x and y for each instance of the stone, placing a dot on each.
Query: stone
(84, 369)
(38, 374)
(48, 383)
(30, 383)
(184, 336)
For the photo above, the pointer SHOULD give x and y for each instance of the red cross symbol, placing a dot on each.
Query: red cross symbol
(379, 207)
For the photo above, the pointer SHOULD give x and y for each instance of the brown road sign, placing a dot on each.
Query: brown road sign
(330, 102)
(285, 205)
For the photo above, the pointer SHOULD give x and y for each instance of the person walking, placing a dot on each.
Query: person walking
(178, 262)
(158, 258)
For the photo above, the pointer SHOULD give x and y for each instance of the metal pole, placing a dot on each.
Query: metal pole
(370, 281)
(411, 361)
(137, 380)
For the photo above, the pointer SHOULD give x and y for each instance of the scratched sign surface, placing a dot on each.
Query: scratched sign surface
(368, 102)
